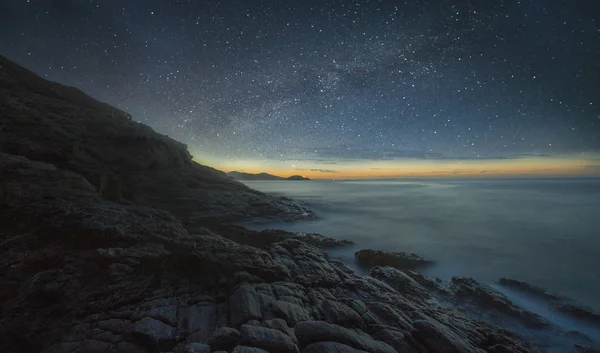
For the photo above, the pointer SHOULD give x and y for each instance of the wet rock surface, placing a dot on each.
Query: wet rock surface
(265, 238)
(119, 250)
(467, 290)
(483, 303)
(529, 288)
(370, 258)
(558, 302)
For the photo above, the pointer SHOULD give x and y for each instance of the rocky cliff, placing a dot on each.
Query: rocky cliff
(126, 162)
(112, 240)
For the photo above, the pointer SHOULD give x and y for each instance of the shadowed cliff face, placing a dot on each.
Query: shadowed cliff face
(125, 161)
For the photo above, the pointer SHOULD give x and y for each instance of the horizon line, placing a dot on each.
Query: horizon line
(424, 177)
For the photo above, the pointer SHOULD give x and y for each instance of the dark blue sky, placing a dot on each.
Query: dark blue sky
(330, 80)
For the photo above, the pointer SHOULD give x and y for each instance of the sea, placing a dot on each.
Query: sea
(542, 231)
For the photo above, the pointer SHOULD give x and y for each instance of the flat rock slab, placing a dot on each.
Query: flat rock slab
(153, 333)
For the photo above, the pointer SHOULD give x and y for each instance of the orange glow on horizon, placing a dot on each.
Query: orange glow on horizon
(580, 165)
(426, 174)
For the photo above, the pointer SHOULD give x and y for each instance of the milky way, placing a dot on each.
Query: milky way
(328, 83)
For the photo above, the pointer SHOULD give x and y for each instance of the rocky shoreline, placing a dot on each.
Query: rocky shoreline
(114, 240)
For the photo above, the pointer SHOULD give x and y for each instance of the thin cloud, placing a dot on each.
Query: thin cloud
(317, 170)
(323, 170)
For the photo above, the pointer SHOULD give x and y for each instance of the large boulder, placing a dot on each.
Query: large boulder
(154, 333)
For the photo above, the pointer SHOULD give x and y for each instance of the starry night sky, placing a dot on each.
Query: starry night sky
(337, 88)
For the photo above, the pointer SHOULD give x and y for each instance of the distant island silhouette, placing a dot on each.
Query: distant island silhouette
(262, 176)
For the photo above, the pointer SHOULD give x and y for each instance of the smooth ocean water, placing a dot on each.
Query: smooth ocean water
(543, 231)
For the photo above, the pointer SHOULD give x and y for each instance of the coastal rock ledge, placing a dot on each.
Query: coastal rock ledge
(110, 242)
(404, 261)
(81, 274)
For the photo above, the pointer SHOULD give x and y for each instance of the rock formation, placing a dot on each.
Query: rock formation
(113, 240)
(370, 258)
(126, 162)
(86, 274)
(560, 303)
